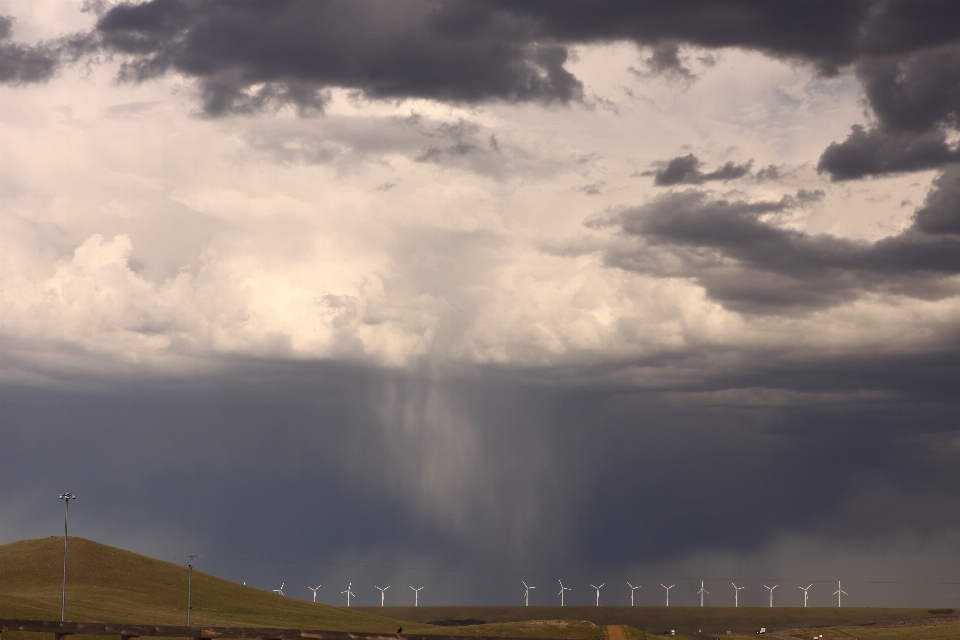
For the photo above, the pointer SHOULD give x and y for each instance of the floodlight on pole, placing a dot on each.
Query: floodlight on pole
(526, 593)
(598, 591)
(632, 589)
(63, 593)
(701, 592)
(562, 589)
(805, 594)
(190, 589)
(315, 589)
(382, 591)
(771, 592)
(416, 596)
(736, 595)
(839, 592)
(668, 591)
(280, 590)
(348, 592)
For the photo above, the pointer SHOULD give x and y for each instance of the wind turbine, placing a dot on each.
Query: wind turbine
(668, 591)
(526, 594)
(349, 593)
(416, 596)
(315, 589)
(771, 592)
(382, 591)
(701, 592)
(805, 594)
(632, 589)
(562, 589)
(280, 590)
(839, 592)
(736, 595)
(598, 592)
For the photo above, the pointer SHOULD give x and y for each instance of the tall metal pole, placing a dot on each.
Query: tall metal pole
(189, 591)
(63, 592)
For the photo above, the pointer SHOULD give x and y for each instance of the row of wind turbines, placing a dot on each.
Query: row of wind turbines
(736, 592)
(350, 594)
(526, 595)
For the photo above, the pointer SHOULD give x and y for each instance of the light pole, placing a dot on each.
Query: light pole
(63, 593)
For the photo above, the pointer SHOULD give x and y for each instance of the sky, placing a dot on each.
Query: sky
(462, 294)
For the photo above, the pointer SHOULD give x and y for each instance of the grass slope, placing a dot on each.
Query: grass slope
(107, 584)
(716, 620)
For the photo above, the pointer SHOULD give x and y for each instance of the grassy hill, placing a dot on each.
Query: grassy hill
(107, 584)
(716, 620)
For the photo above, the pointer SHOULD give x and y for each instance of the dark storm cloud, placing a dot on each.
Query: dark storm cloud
(253, 55)
(686, 170)
(300, 462)
(877, 151)
(747, 262)
(260, 56)
(24, 64)
(916, 100)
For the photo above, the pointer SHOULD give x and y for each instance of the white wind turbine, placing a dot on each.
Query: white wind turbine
(349, 593)
(805, 594)
(315, 589)
(771, 592)
(382, 592)
(839, 592)
(668, 591)
(736, 595)
(416, 596)
(598, 592)
(632, 589)
(562, 589)
(701, 592)
(526, 594)
(280, 590)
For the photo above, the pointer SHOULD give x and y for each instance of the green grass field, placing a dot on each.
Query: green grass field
(107, 584)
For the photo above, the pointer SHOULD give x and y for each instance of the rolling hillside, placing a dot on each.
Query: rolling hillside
(107, 584)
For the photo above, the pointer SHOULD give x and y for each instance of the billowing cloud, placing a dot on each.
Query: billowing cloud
(390, 320)
(253, 56)
(747, 261)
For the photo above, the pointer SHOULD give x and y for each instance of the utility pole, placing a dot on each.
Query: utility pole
(63, 593)
(189, 590)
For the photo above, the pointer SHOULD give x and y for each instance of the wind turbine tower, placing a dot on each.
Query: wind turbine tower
(416, 596)
(315, 589)
(598, 592)
(632, 589)
(701, 592)
(668, 591)
(562, 589)
(839, 592)
(736, 595)
(382, 592)
(771, 592)
(280, 590)
(805, 594)
(349, 593)
(526, 594)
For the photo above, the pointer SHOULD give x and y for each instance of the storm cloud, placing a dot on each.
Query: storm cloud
(748, 262)
(348, 325)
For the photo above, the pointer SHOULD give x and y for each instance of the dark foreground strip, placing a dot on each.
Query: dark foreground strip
(63, 631)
